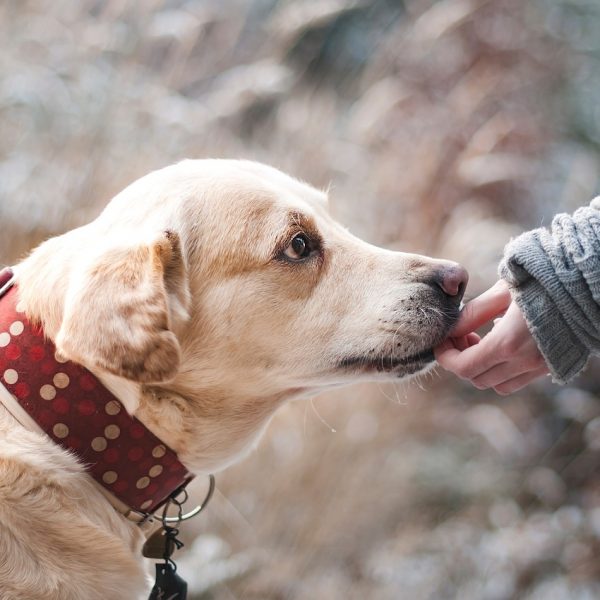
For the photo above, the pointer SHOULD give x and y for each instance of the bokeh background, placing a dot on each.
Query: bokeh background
(441, 127)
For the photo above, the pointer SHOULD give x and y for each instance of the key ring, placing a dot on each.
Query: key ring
(9, 282)
(173, 499)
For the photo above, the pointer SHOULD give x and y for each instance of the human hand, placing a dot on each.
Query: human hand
(506, 359)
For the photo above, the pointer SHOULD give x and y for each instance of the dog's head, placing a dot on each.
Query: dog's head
(231, 277)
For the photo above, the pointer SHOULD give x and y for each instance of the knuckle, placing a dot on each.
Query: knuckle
(480, 383)
(463, 372)
(502, 390)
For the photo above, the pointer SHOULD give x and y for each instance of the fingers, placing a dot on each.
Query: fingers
(473, 338)
(467, 341)
(506, 371)
(482, 309)
(506, 359)
(469, 363)
(475, 314)
(517, 383)
(457, 343)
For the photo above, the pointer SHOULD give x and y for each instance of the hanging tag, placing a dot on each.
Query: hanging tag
(158, 545)
(168, 586)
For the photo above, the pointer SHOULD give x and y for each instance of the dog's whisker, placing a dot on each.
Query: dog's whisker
(305, 417)
(332, 429)
(384, 393)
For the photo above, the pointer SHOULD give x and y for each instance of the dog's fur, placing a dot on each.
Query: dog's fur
(183, 296)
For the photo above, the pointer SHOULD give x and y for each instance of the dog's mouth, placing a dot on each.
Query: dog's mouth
(402, 365)
(386, 360)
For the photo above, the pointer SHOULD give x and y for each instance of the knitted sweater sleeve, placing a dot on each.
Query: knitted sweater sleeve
(554, 276)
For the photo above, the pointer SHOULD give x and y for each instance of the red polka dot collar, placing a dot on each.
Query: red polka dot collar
(71, 405)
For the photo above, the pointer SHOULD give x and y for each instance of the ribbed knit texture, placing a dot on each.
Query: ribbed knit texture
(554, 276)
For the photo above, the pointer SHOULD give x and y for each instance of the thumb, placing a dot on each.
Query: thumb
(482, 309)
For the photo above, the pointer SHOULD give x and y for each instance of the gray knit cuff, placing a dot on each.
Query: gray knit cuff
(563, 352)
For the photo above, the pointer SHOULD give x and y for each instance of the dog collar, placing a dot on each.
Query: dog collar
(77, 412)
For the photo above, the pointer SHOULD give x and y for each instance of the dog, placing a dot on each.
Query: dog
(204, 296)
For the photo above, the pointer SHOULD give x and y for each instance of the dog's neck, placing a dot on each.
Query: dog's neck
(208, 431)
(208, 428)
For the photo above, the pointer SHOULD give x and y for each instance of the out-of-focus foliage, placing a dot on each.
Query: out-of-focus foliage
(443, 127)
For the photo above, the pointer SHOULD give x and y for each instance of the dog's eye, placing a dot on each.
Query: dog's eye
(299, 248)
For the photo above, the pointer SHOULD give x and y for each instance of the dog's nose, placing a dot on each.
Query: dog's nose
(453, 281)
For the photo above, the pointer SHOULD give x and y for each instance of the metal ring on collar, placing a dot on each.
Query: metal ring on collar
(198, 509)
(8, 284)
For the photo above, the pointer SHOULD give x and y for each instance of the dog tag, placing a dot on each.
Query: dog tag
(168, 586)
(159, 545)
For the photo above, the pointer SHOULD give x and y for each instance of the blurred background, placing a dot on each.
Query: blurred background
(441, 127)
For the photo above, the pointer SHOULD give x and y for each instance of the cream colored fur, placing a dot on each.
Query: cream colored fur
(181, 298)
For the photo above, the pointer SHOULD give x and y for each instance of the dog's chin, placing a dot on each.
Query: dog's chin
(396, 366)
(387, 362)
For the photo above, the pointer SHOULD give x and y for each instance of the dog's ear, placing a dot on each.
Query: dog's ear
(121, 309)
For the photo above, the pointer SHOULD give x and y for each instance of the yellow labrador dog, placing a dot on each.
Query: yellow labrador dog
(205, 295)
